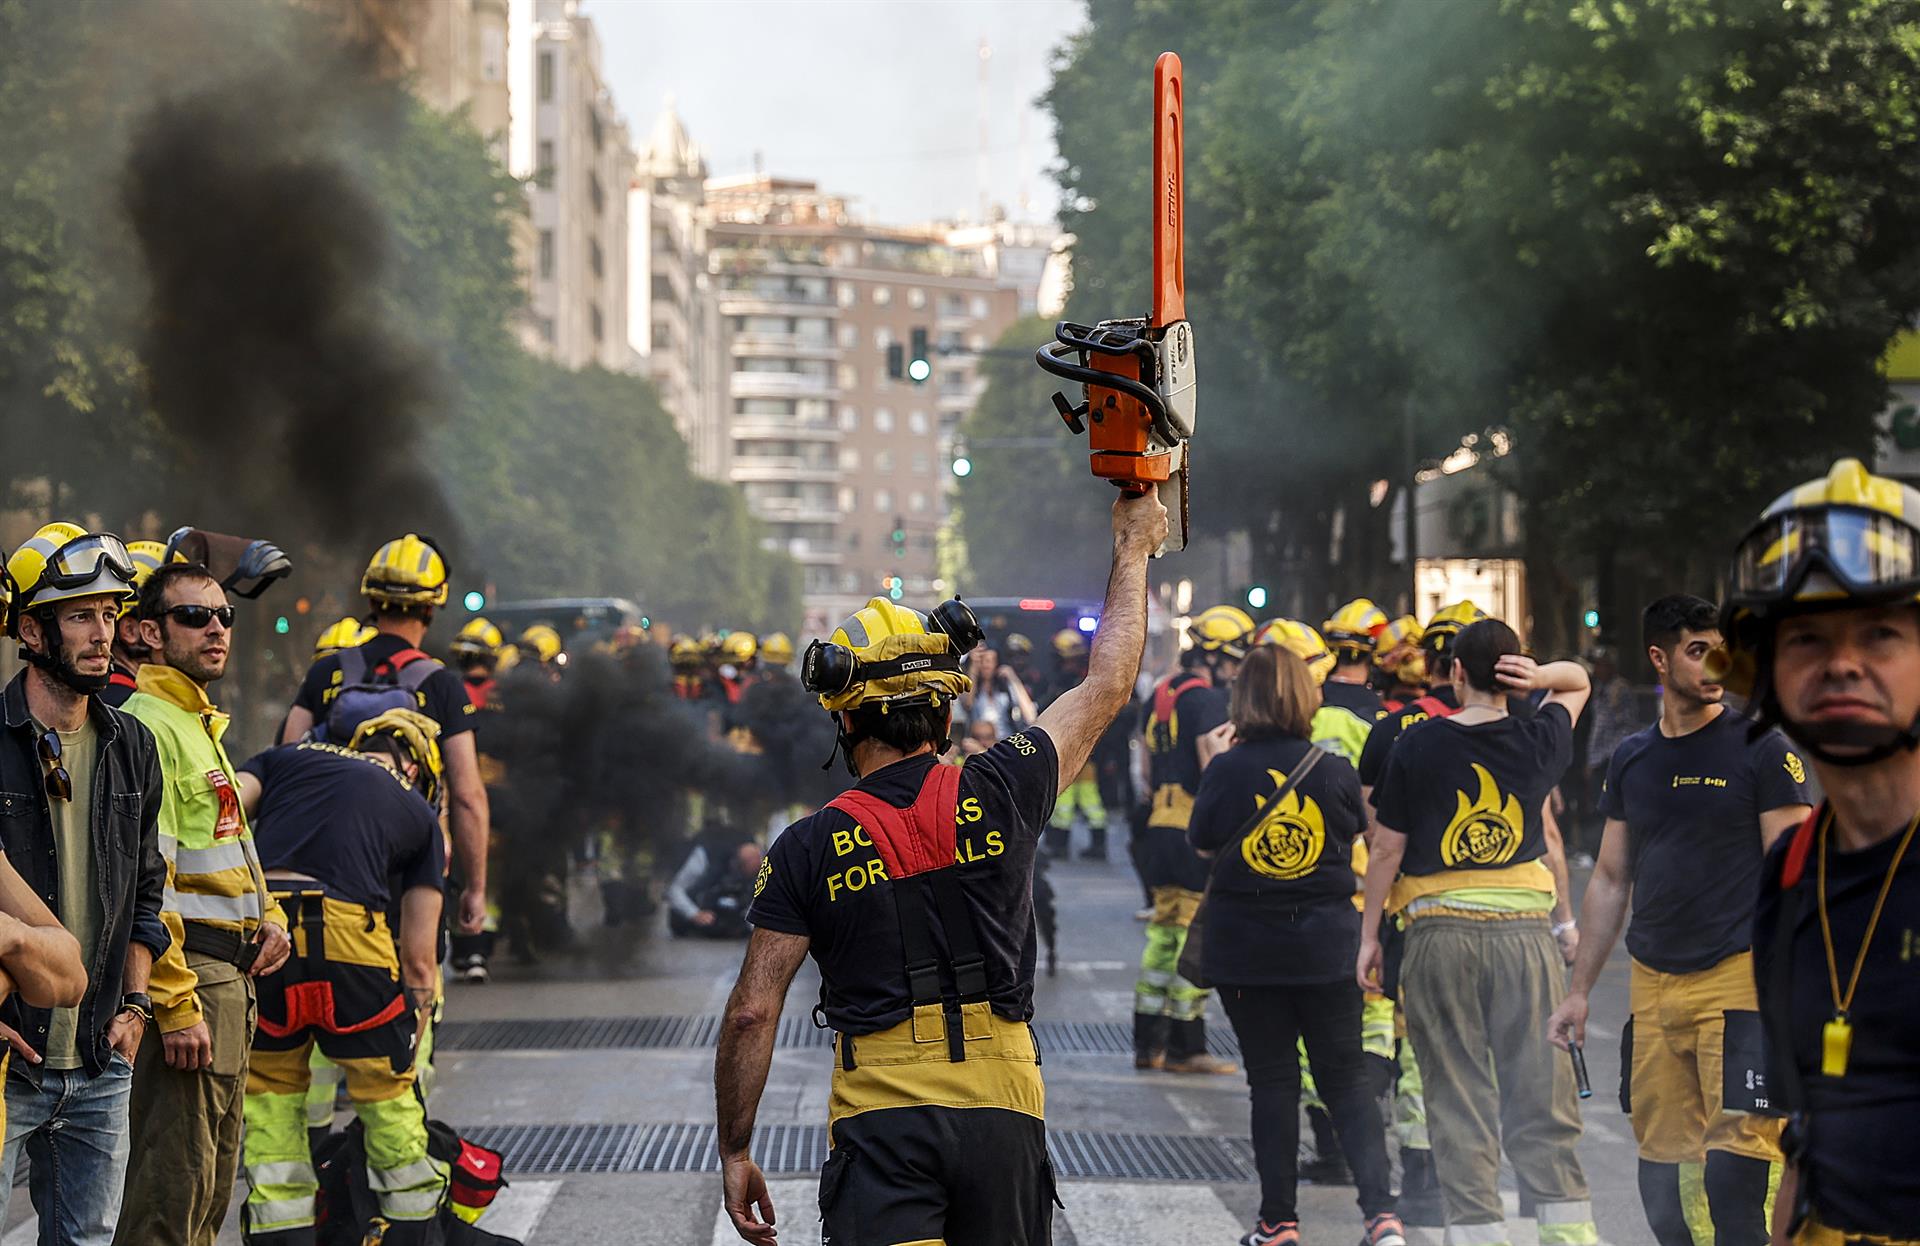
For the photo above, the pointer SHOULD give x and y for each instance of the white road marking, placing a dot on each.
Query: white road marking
(796, 1208)
(516, 1211)
(1166, 1215)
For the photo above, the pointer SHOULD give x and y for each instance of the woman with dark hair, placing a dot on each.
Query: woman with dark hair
(1458, 850)
(1281, 933)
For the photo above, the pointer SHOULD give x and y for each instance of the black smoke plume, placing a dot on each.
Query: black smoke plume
(297, 405)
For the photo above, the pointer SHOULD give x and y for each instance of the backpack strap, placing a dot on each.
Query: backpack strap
(353, 667)
(1171, 689)
(1778, 1016)
(1433, 706)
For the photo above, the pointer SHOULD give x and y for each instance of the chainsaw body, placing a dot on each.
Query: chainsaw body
(1139, 373)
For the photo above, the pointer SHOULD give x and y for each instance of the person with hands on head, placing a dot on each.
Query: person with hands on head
(190, 1082)
(1692, 803)
(1457, 850)
(913, 893)
(80, 796)
(406, 581)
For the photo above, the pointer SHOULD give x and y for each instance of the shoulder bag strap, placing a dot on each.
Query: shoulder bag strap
(1307, 763)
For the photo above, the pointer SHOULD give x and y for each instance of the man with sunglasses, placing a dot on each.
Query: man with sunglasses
(80, 796)
(1822, 634)
(189, 1086)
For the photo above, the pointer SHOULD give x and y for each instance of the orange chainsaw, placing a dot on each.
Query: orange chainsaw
(1138, 373)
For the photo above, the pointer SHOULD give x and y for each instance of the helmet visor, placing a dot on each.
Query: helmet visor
(1869, 553)
(81, 560)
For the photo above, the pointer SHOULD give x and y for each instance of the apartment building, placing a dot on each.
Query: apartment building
(848, 464)
(583, 166)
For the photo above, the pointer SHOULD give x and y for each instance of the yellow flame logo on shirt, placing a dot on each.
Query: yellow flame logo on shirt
(1486, 831)
(1795, 770)
(760, 879)
(1288, 841)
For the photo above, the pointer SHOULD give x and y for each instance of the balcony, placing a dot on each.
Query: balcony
(793, 510)
(805, 551)
(781, 345)
(784, 468)
(784, 428)
(781, 385)
(775, 301)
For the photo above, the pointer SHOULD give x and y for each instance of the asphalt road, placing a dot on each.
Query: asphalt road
(613, 1101)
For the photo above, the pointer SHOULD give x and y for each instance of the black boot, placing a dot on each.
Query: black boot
(1420, 1202)
(1150, 1033)
(1328, 1166)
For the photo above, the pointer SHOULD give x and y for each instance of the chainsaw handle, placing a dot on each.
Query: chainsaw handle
(1053, 357)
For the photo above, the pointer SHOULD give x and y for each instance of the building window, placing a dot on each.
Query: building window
(849, 336)
(594, 128)
(882, 338)
(543, 170)
(849, 420)
(883, 500)
(493, 55)
(883, 460)
(916, 298)
(917, 502)
(980, 307)
(662, 337)
(546, 253)
(883, 421)
(849, 459)
(594, 318)
(917, 423)
(849, 499)
(921, 464)
(546, 77)
(546, 329)
(596, 193)
(849, 376)
(848, 294)
(882, 296)
(596, 258)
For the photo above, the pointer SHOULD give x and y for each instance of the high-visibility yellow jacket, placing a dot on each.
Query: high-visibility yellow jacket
(213, 874)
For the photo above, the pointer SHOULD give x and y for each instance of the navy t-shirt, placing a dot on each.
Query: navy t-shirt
(1692, 806)
(1280, 901)
(1379, 745)
(345, 819)
(443, 697)
(1469, 797)
(1357, 699)
(1863, 1152)
(823, 878)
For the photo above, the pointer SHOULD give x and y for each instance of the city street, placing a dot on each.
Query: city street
(596, 1081)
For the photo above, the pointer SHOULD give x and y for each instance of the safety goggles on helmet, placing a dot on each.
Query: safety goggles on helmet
(830, 670)
(1867, 555)
(82, 560)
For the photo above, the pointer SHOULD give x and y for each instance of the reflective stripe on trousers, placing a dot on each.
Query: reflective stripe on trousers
(1161, 991)
(1567, 1224)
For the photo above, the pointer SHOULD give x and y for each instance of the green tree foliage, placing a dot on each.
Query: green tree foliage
(561, 482)
(1664, 243)
(1032, 519)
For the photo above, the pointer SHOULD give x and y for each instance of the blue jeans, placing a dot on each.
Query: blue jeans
(74, 1129)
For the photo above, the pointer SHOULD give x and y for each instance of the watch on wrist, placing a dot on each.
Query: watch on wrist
(139, 1002)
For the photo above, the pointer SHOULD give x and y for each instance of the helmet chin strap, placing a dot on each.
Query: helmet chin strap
(63, 670)
(1874, 744)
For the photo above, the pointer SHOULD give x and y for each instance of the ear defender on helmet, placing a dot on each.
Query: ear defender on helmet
(828, 669)
(954, 619)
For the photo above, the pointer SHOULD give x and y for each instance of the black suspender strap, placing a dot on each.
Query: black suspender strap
(969, 963)
(916, 939)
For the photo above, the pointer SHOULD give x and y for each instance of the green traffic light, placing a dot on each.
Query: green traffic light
(281, 626)
(919, 370)
(1257, 597)
(475, 600)
(896, 592)
(1591, 618)
(963, 466)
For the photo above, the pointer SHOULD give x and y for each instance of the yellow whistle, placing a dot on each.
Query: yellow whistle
(1836, 1039)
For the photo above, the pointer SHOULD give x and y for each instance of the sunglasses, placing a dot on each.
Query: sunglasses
(59, 782)
(198, 617)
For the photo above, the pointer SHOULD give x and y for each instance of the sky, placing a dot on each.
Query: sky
(875, 99)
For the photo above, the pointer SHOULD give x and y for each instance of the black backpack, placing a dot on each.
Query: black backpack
(392, 684)
(347, 1205)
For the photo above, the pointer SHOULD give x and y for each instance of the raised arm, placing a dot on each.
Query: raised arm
(1075, 722)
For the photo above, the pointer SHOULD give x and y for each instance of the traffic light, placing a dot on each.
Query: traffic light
(896, 361)
(1256, 597)
(919, 364)
(1591, 618)
(475, 601)
(281, 626)
(896, 587)
(962, 465)
(899, 536)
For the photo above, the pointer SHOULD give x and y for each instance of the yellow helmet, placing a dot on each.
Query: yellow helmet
(1396, 650)
(1305, 643)
(346, 634)
(1849, 538)
(1016, 643)
(686, 654)
(777, 649)
(739, 648)
(885, 654)
(477, 640)
(407, 571)
(418, 735)
(1447, 623)
(1222, 629)
(542, 641)
(1069, 643)
(147, 557)
(63, 561)
(1350, 632)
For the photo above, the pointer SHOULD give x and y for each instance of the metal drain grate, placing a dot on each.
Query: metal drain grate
(633, 1148)
(1078, 1038)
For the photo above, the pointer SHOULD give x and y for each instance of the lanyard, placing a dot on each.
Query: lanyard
(1837, 1034)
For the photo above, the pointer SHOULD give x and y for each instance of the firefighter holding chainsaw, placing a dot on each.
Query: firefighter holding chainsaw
(912, 892)
(339, 827)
